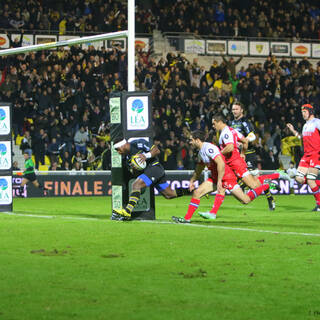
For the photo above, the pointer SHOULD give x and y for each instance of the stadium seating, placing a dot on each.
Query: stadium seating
(184, 87)
(43, 167)
(19, 140)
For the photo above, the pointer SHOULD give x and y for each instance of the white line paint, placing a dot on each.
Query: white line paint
(48, 217)
(168, 222)
(238, 229)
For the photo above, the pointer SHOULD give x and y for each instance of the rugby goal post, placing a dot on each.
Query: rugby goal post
(145, 98)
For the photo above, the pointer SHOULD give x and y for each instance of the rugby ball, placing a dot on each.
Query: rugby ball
(137, 163)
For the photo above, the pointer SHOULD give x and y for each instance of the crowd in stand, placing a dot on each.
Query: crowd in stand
(92, 16)
(293, 19)
(60, 101)
(60, 97)
(187, 95)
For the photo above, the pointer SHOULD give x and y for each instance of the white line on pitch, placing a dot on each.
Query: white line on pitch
(47, 217)
(237, 229)
(172, 223)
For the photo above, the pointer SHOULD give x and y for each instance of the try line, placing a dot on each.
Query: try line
(169, 222)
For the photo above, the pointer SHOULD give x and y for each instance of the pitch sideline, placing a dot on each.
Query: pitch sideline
(169, 222)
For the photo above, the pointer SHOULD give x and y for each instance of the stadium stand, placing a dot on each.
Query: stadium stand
(60, 91)
(294, 19)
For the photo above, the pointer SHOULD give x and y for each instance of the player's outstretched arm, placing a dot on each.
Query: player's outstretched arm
(291, 128)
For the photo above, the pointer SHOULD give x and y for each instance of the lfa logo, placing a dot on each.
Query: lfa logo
(3, 122)
(137, 118)
(4, 190)
(4, 160)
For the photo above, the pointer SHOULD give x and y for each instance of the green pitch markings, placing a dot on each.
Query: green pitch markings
(164, 222)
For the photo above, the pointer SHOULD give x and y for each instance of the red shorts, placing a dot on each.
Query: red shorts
(238, 166)
(228, 181)
(310, 161)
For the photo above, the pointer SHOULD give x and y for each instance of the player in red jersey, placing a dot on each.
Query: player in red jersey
(309, 165)
(221, 176)
(241, 124)
(229, 141)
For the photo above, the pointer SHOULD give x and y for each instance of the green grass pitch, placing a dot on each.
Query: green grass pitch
(63, 258)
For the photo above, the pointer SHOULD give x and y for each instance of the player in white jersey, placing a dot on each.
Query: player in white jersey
(309, 165)
(221, 176)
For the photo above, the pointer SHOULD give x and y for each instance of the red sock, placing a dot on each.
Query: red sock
(265, 187)
(316, 194)
(217, 203)
(193, 206)
(261, 179)
(257, 191)
(273, 176)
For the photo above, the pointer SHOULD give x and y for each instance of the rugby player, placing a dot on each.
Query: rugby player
(309, 164)
(222, 179)
(242, 125)
(152, 176)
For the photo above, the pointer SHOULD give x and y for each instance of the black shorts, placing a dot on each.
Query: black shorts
(154, 175)
(30, 176)
(251, 160)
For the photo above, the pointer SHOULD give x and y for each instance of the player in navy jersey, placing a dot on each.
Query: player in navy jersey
(241, 124)
(152, 176)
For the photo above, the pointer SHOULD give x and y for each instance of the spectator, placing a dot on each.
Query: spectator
(18, 118)
(66, 158)
(77, 166)
(54, 166)
(270, 161)
(231, 65)
(99, 149)
(80, 139)
(26, 143)
(15, 166)
(169, 159)
(17, 42)
(66, 166)
(66, 131)
(53, 150)
(76, 158)
(39, 147)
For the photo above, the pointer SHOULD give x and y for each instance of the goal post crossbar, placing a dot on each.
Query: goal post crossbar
(64, 43)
